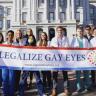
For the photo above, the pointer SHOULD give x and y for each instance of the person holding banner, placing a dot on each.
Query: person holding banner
(89, 35)
(43, 42)
(8, 75)
(93, 44)
(31, 41)
(93, 41)
(25, 74)
(1, 41)
(81, 42)
(60, 41)
(19, 41)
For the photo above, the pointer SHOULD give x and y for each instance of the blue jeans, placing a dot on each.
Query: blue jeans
(0, 77)
(86, 82)
(23, 83)
(8, 82)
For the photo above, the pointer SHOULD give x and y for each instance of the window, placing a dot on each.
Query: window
(8, 11)
(40, 15)
(1, 11)
(1, 24)
(51, 2)
(92, 21)
(40, 2)
(78, 16)
(51, 33)
(24, 17)
(8, 24)
(51, 16)
(79, 2)
(91, 11)
(62, 3)
(62, 16)
(24, 3)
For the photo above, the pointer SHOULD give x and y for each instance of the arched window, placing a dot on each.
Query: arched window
(1, 11)
(24, 17)
(1, 24)
(51, 33)
(79, 2)
(51, 2)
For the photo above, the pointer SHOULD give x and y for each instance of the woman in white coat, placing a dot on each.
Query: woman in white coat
(46, 75)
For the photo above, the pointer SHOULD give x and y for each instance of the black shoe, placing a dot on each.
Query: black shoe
(90, 89)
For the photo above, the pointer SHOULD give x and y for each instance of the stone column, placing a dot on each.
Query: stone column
(14, 11)
(33, 11)
(81, 15)
(57, 11)
(45, 11)
(18, 12)
(68, 11)
(4, 19)
(73, 9)
(29, 11)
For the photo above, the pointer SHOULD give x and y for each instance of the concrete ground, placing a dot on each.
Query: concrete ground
(72, 87)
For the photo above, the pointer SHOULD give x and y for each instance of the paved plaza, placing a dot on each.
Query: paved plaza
(33, 91)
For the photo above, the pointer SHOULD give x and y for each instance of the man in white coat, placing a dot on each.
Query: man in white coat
(60, 41)
(81, 42)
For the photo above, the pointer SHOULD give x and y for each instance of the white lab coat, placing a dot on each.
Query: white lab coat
(75, 43)
(22, 43)
(55, 42)
(93, 42)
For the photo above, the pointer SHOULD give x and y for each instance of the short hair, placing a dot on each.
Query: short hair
(80, 27)
(88, 26)
(94, 28)
(11, 31)
(64, 29)
(60, 27)
(2, 40)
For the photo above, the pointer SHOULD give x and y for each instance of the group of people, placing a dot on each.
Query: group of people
(16, 80)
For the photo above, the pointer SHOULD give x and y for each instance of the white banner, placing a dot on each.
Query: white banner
(33, 58)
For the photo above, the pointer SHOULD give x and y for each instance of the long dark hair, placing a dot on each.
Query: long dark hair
(2, 40)
(41, 43)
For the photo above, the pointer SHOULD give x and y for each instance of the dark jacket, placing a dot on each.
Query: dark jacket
(33, 43)
(91, 37)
